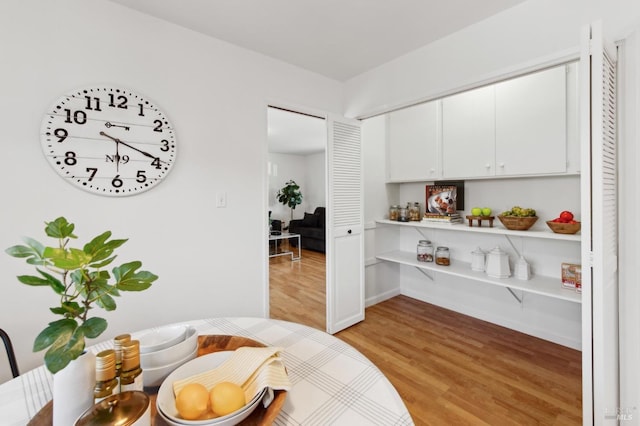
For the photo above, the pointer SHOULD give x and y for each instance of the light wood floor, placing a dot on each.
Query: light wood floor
(450, 369)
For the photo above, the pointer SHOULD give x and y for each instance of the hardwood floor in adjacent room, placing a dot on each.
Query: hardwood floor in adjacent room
(450, 369)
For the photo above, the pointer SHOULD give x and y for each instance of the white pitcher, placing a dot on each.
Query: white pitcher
(498, 264)
(477, 260)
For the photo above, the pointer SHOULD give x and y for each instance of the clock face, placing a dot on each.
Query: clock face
(108, 140)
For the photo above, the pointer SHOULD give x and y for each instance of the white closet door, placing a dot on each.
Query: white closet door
(345, 236)
(600, 364)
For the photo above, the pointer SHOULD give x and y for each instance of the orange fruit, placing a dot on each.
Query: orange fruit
(226, 397)
(192, 401)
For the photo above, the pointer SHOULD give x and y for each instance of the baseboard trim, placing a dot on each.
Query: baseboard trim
(381, 297)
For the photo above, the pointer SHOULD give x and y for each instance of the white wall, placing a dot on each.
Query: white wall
(381, 278)
(315, 178)
(210, 260)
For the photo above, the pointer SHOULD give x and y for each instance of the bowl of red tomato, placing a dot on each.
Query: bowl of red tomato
(565, 223)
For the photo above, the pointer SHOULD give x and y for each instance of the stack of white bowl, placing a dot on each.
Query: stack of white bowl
(164, 349)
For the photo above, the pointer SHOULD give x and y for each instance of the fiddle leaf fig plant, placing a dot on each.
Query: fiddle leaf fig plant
(290, 195)
(78, 277)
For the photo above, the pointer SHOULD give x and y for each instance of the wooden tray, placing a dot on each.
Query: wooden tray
(206, 344)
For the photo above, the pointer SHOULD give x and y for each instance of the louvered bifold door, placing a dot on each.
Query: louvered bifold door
(345, 248)
(599, 232)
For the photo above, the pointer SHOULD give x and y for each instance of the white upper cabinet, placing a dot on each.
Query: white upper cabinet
(413, 143)
(468, 133)
(525, 126)
(531, 124)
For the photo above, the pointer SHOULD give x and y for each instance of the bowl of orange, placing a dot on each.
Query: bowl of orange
(172, 410)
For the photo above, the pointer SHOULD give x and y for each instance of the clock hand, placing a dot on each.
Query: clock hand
(108, 125)
(117, 141)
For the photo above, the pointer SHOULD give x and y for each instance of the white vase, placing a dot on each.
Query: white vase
(73, 389)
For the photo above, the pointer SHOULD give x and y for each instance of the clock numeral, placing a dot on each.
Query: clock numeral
(121, 101)
(117, 182)
(78, 117)
(140, 177)
(156, 162)
(165, 145)
(141, 112)
(158, 124)
(61, 134)
(92, 172)
(92, 103)
(70, 158)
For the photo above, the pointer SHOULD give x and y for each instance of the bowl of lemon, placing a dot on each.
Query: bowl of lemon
(224, 404)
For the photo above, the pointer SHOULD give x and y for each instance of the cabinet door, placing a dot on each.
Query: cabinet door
(412, 145)
(468, 134)
(531, 129)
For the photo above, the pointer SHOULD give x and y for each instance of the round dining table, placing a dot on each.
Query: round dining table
(331, 382)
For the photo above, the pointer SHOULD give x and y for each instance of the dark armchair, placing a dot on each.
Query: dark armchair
(311, 229)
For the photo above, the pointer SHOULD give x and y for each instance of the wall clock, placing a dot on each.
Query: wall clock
(108, 140)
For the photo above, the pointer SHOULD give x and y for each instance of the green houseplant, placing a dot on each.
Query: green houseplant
(290, 195)
(78, 277)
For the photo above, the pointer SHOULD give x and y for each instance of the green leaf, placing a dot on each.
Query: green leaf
(55, 283)
(64, 350)
(56, 331)
(93, 327)
(60, 228)
(127, 279)
(67, 259)
(69, 308)
(103, 263)
(105, 301)
(99, 248)
(33, 251)
(31, 280)
(19, 251)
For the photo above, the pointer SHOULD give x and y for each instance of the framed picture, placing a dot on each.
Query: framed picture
(444, 197)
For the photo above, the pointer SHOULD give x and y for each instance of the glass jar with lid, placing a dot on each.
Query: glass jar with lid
(394, 212)
(442, 256)
(425, 251)
(403, 214)
(414, 212)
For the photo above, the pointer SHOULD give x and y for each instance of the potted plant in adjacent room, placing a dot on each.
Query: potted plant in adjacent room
(79, 279)
(290, 195)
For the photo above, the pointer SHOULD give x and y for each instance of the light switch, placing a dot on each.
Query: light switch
(221, 199)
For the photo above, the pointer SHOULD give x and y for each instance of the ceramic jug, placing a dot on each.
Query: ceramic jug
(522, 269)
(498, 264)
(477, 260)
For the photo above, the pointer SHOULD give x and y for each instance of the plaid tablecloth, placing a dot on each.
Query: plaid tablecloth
(332, 383)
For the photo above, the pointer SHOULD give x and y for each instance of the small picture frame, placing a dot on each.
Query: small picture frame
(444, 197)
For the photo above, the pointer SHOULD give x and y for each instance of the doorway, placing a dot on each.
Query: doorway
(296, 150)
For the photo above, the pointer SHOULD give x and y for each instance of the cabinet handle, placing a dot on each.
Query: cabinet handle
(488, 166)
(502, 165)
(349, 231)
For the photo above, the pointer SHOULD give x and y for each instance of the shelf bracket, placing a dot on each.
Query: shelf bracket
(513, 246)
(424, 273)
(514, 295)
(421, 233)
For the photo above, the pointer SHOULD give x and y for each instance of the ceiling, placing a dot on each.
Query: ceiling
(338, 39)
(335, 38)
